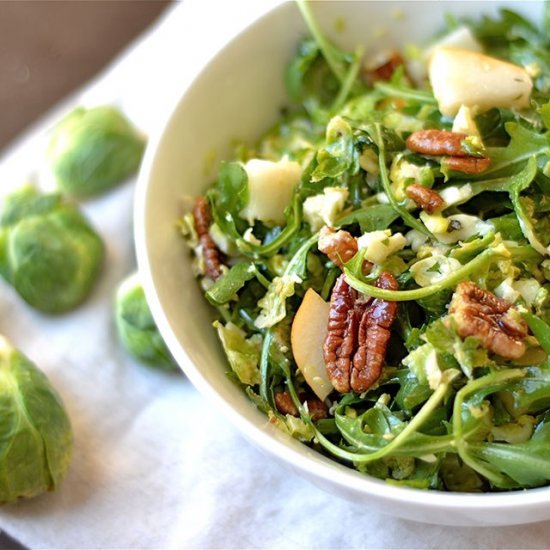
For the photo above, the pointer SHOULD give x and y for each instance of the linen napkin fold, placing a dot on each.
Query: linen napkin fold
(155, 464)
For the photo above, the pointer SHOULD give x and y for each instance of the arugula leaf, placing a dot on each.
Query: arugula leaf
(527, 464)
(405, 434)
(370, 218)
(336, 59)
(524, 144)
(232, 188)
(468, 411)
(411, 393)
(528, 395)
(301, 63)
(519, 183)
(372, 431)
(497, 32)
(508, 226)
(404, 92)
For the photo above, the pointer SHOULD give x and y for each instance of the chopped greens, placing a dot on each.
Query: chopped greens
(462, 401)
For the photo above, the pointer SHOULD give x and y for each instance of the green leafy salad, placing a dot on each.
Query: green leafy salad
(380, 259)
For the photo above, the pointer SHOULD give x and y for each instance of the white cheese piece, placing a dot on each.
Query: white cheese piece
(462, 77)
(456, 194)
(506, 290)
(249, 237)
(528, 288)
(433, 372)
(465, 226)
(431, 270)
(270, 188)
(382, 198)
(416, 239)
(323, 209)
(379, 245)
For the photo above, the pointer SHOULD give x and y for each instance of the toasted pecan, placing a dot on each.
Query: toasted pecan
(443, 143)
(317, 409)
(340, 246)
(437, 143)
(428, 199)
(341, 338)
(374, 334)
(478, 312)
(468, 165)
(212, 256)
(357, 335)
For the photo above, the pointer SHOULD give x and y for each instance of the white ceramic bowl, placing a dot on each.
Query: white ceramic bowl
(238, 95)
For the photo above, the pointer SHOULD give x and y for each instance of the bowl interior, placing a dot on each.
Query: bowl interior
(238, 96)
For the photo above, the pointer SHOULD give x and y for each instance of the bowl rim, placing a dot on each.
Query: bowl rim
(322, 467)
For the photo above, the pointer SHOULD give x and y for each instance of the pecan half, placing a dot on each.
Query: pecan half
(341, 338)
(428, 199)
(212, 256)
(468, 165)
(437, 143)
(373, 337)
(449, 144)
(317, 409)
(383, 68)
(357, 335)
(340, 246)
(478, 312)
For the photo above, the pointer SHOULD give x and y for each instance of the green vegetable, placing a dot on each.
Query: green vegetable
(227, 286)
(48, 251)
(136, 327)
(243, 354)
(446, 412)
(35, 432)
(92, 150)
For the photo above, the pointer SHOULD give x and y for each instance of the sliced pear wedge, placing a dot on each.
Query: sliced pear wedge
(462, 77)
(307, 335)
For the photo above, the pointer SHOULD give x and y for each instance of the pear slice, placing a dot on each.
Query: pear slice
(462, 77)
(307, 335)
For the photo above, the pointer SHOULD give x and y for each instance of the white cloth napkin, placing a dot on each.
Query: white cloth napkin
(155, 464)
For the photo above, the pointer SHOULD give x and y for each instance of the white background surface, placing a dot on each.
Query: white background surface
(155, 465)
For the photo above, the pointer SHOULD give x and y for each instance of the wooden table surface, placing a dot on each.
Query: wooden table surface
(50, 48)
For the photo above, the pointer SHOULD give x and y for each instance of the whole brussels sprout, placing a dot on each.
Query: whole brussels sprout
(35, 432)
(136, 327)
(48, 251)
(93, 150)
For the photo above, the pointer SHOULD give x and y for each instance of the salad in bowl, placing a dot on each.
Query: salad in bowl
(379, 260)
